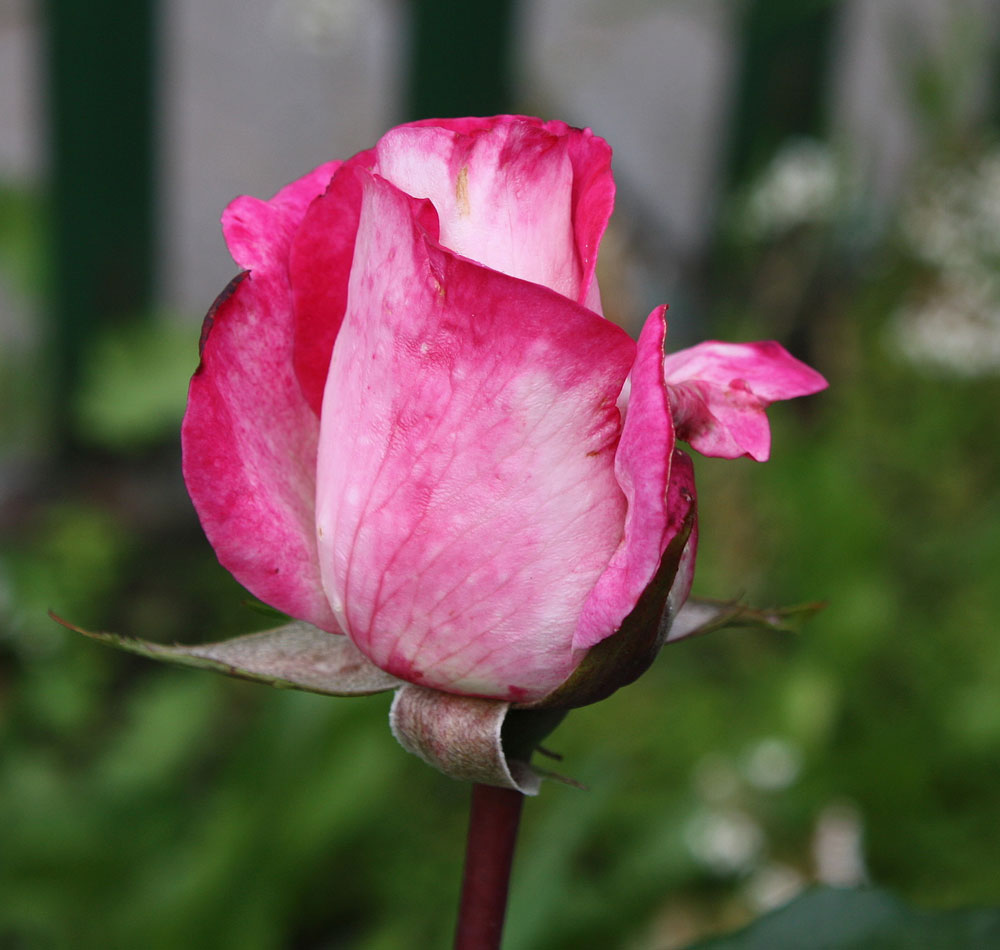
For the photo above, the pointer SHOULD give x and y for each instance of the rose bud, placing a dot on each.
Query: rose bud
(413, 427)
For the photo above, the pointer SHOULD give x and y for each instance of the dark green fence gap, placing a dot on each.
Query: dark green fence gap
(460, 58)
(100, 63)
(782, 79)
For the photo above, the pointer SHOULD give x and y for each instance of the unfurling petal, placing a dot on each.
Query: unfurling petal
(642, 468)
(719, 391)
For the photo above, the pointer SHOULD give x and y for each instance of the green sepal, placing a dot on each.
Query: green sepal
(702, 615)
(294, 656)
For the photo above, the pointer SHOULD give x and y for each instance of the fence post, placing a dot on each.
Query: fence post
(459, 58)
(99, 60)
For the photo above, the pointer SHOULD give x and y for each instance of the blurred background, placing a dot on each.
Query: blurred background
(824, 173)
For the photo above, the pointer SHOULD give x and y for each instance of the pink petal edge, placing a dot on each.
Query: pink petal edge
(319, 268)
(642, 469)
(680, 497)
(258, 232)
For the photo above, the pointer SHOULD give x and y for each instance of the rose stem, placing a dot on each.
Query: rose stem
(489, 853)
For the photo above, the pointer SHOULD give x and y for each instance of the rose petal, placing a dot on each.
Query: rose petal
(466, 492)
(319, 267)
(719, 391)
(642, 468)
(257, 232)
(593, 202)
(620, 659)
(526, 198)
(249, 438)
(680, 496)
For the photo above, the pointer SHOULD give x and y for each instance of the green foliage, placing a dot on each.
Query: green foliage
(863, 920)
(135, 384)
(21, 238)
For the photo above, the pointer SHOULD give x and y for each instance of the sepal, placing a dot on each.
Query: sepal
(294, 656)
(472, 739)
(701, 616)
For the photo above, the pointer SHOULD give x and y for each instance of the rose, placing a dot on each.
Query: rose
(412, 425)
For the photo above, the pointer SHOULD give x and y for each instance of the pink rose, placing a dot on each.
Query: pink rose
(412, 425)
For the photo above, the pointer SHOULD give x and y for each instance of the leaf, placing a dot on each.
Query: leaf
(294, 656)
(868, 919)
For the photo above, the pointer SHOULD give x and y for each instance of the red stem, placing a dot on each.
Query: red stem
(489, 853)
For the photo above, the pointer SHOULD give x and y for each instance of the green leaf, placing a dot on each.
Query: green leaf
(835, 919)
(294, 656)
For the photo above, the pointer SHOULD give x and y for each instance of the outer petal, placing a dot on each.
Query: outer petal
(620, 659)
(258, 232)
(467, 500)
(642, 468)
(679, 496)
(526, 198)
(719, 391)
(319, 267)
(593, 202)
(249, 438)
